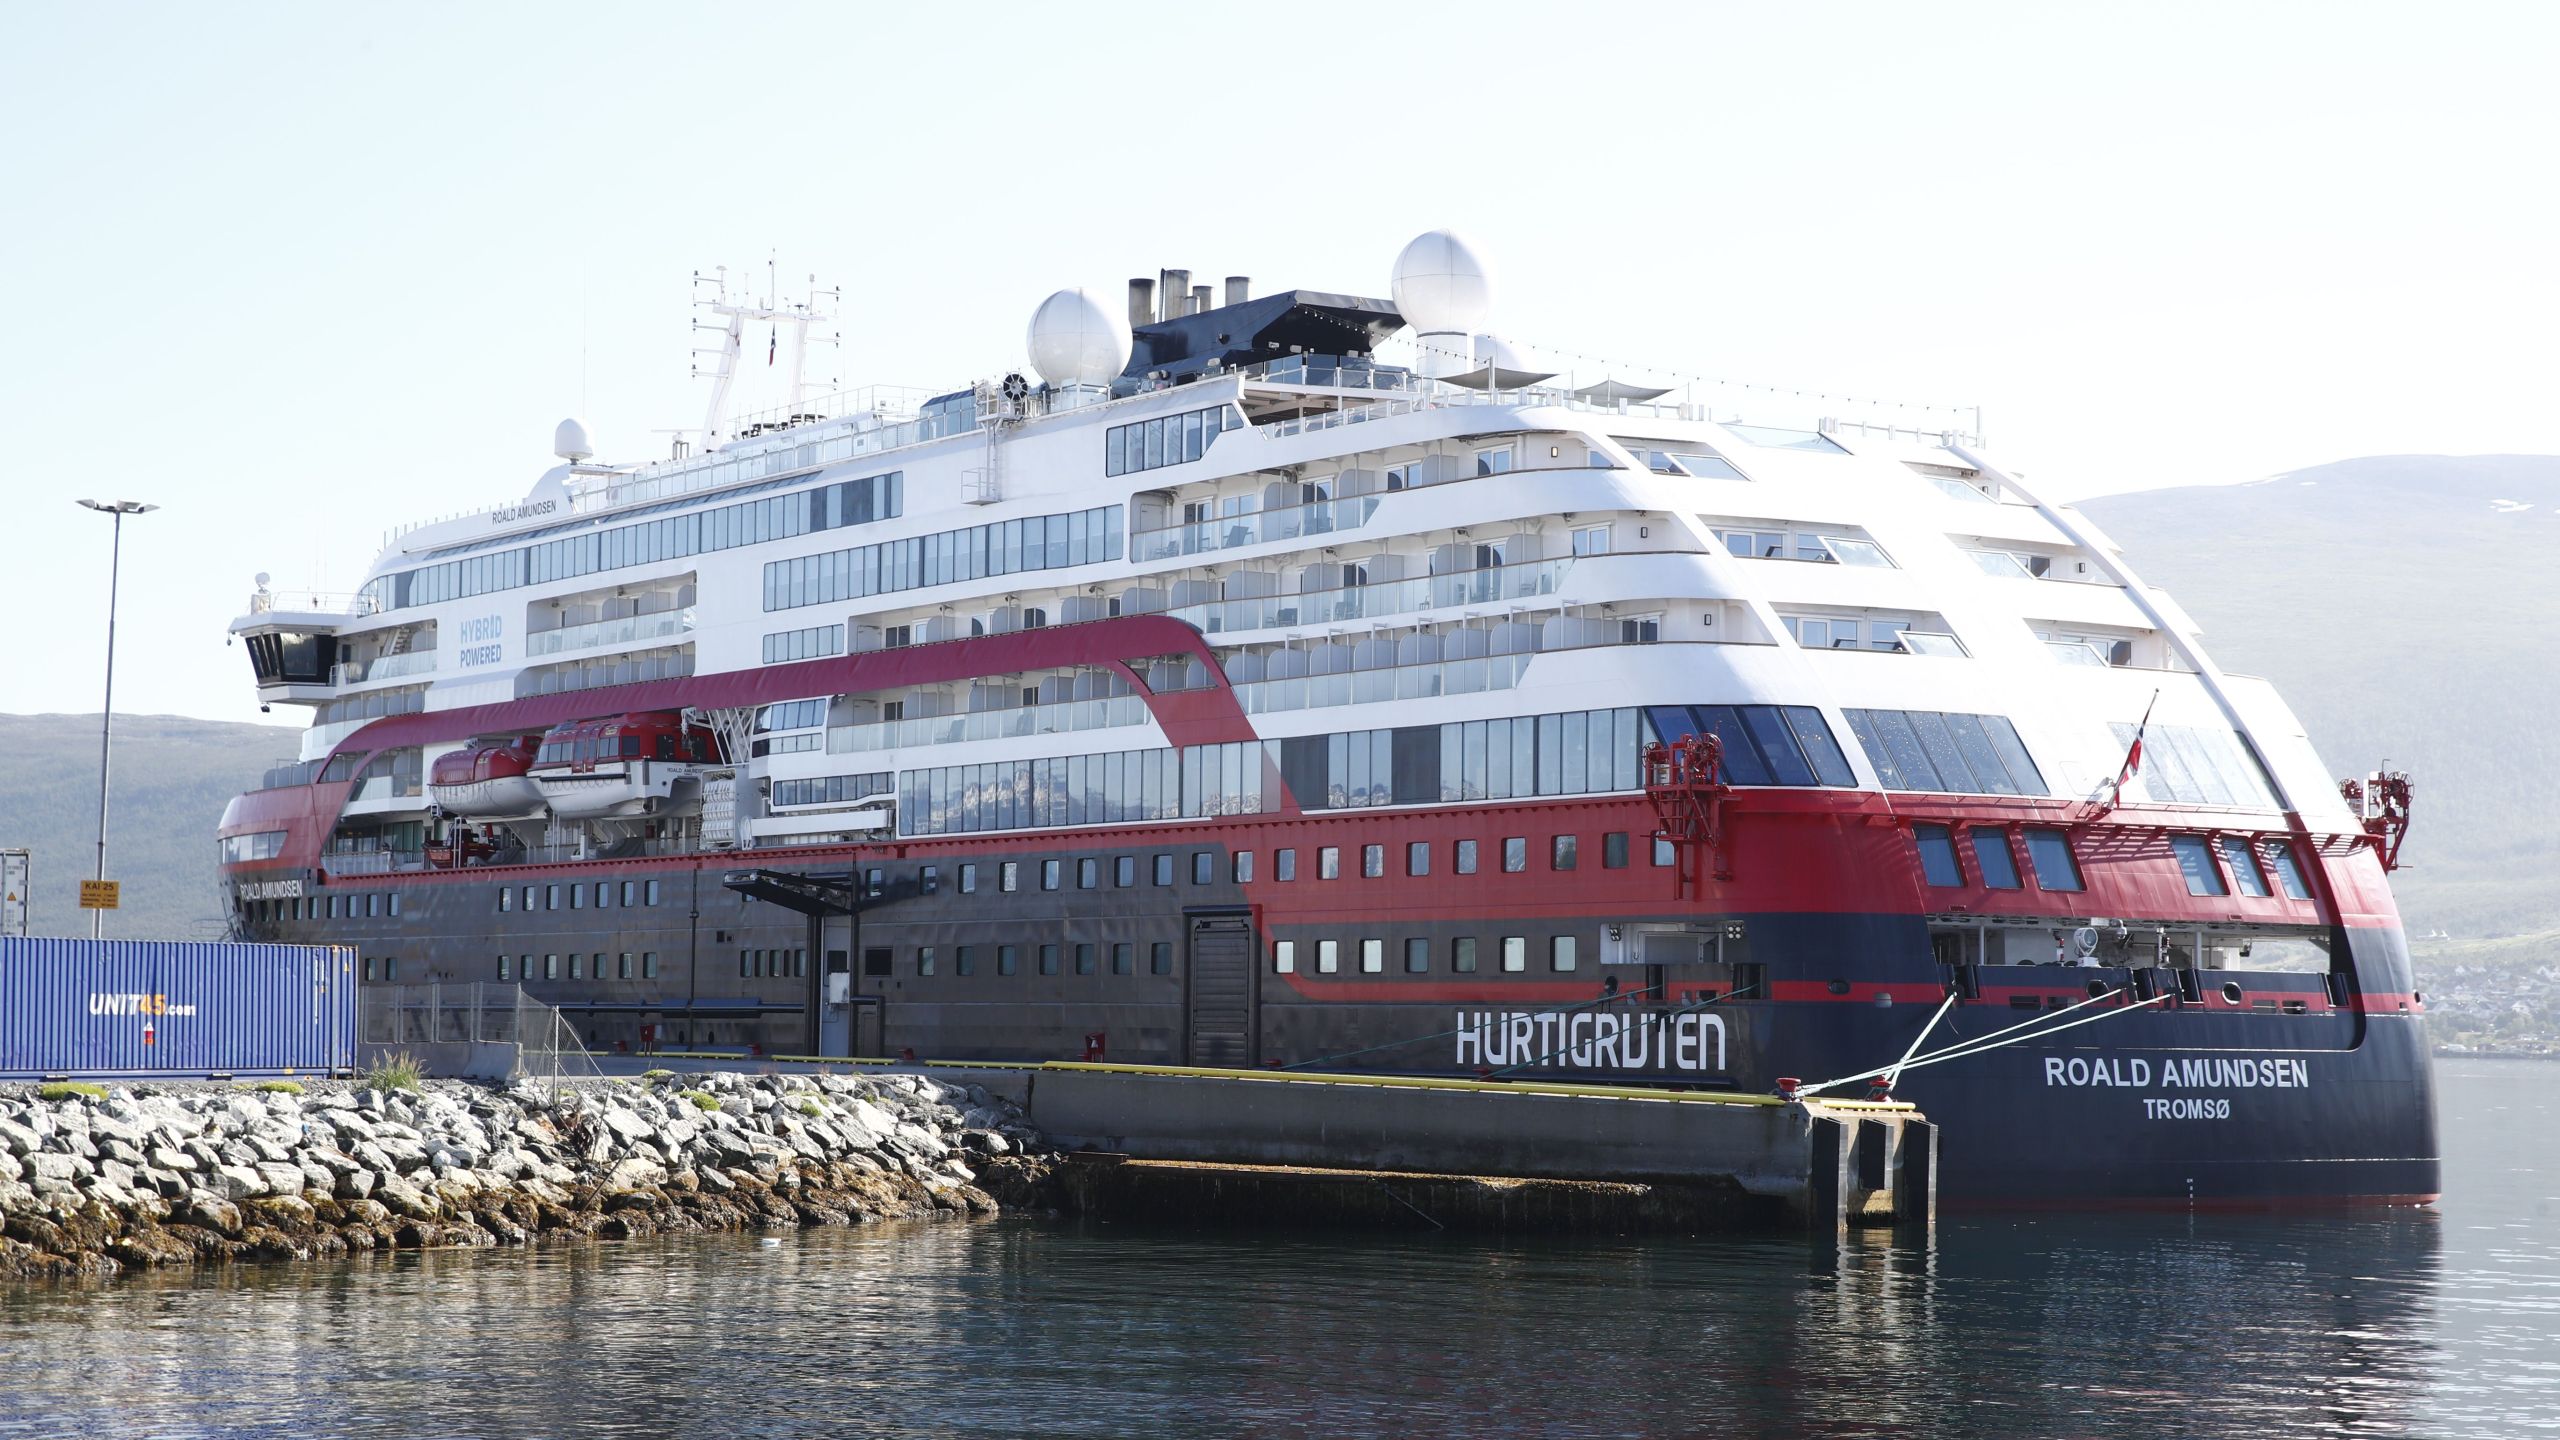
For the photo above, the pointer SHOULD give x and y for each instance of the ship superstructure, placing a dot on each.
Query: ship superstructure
(1277, 679)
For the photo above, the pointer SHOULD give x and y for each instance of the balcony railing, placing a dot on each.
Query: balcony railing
(1055, 719)
(1232, 532)
(1393, 597)
(629, 630)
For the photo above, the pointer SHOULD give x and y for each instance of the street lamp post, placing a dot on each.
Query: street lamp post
(107, 720)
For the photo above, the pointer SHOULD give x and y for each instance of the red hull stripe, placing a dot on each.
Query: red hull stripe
(1804, 852)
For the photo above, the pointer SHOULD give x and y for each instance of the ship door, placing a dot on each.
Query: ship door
(1218, 994)
(835, 994)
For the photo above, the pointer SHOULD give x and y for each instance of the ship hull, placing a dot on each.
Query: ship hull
(2099, 1085)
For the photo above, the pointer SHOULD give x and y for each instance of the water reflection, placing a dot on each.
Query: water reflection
(2141, 1325)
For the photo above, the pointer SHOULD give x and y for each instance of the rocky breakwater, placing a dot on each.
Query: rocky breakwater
(94, 1179)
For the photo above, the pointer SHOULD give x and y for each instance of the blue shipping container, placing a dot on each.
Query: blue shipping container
(139, 1008)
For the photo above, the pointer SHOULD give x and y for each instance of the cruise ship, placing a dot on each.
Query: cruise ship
(1310, 679)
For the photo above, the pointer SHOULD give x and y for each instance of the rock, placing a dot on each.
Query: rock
(405, 1199)
(46, 1165)
(354, 1184)
(281, 1179)
(631, 1174)
(212, 1212)
(163, 1157)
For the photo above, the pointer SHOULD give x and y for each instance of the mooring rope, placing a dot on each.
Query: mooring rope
(1993, 1041)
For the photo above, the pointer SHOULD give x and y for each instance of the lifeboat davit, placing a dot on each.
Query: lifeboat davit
(624, 767)
(488, 782)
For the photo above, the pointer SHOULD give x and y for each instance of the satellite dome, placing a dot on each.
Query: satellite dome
(570, 441)
(1077, 340)
(1441, 287)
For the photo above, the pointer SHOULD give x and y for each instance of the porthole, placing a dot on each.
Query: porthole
(2231, 992)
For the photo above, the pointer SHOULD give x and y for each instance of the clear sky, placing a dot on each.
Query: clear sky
(300, 272)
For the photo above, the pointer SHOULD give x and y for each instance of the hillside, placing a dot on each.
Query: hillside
(2409, 608)
(172, 777)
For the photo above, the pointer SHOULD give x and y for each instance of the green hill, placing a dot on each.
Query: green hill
(172, 777)
(2409, 609)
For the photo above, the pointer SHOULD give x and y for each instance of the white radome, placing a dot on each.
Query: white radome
(1440, 286)
(570, 441)
(1077, 340)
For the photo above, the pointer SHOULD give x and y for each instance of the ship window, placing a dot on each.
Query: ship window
(1515, 953)
(1242, 867)
(1949, 753)
(1613, 850)
(1373, 861)
(577, 897)
(1417, 857)
(2000, 565)
(964, 960)
(1164, 869)
(929, 880)
(506, 968)
(1008, 959)
(746, 964)
(1284, 864)
(2196, 862)
(653, 892)
(875, 882)
(1009, 876)
(1664, 853)
(1560, 953)
(969, 879)
(1084, 957)
(1160, 958)
(1417, 956)
(1466, 861)
(1088, 873)
(1284, 957)
(1329, 863)
(550, 897)
(649, 961)
(2288, 871)
(1328, 956)
(1462, 955)
(1566, 852)
(622, 965)
(1991, 853)
(1124, 957)
(1204, 867)
(550, 967)
(2244, 866)
(2050, 850)
(1937, 855)
(924, 959)
(604, 895)
(1051, 872)
(1373, 957)
(1850, 551)
(506, 901)
(1515, 854)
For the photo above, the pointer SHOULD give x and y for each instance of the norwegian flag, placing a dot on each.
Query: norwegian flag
(2133, 752)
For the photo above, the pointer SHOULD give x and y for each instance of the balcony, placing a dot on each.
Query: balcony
(629, 630)
(1234, 532)
(1394, 597)
(1009, 724)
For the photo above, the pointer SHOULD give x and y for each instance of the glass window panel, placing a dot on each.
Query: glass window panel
(2013, 754)
(1937, 855)
(1991, 853)
(2195, 861)
(1742, 762)
(2244, 866)
(1813, 735)
(2050, 852)
(1910, 762)
(1777, 744)
(2288, 870)
(1940, 744)
(1990, 775)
